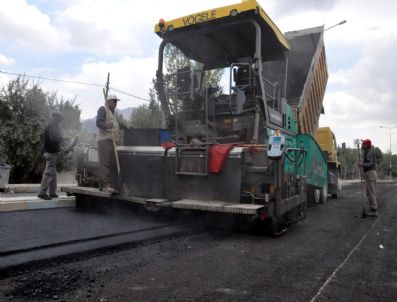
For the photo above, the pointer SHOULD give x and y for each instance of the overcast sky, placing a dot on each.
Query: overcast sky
(83, 40)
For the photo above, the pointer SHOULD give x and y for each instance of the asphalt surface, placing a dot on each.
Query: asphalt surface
(331, 256)
(32, 236)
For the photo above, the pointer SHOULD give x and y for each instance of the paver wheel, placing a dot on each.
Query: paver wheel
(313, 196)
(338, 193)
(324, 194)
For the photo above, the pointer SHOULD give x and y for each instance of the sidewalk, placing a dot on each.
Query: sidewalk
(10, 204)
(30, 188)
(19, 197)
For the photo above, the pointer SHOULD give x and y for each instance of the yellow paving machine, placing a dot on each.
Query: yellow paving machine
(248, 151)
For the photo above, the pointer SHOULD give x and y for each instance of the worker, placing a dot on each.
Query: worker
(108, 130)
(52, 146)
(369, 167)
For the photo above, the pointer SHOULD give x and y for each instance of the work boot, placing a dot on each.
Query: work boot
(372, 213)
(44, 196)
(109, 189)
(54, 195)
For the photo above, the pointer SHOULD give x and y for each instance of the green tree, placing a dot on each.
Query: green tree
(174, 60)
(348, 159)
(384, 166)
(25, 111)
(394, 165)
(71, 115)
(146, 116)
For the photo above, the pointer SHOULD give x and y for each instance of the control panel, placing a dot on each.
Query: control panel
(276, 145)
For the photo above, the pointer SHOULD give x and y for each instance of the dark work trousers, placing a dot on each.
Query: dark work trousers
(49, 180)
(370, 179)
(107, 161)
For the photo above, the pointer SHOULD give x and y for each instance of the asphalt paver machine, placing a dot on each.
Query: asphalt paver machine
(243, 151)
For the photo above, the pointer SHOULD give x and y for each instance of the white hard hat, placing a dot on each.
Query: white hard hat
(112, 97)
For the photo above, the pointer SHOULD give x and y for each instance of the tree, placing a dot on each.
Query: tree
(175, 60)
(147, 115)
(25, 111)
(349, 158)
(394, 165)
(150, 116)
(71, 115)
(384, 166)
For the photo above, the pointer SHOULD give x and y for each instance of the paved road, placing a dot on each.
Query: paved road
(331, 256)
(28, 236)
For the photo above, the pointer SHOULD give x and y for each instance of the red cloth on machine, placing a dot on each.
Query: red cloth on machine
(167, 145)
(217, 157)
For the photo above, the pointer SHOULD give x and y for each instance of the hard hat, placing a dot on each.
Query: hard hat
(112, 97)
(366, 142)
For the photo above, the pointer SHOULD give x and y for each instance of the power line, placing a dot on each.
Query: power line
(50, 79)
(129, 94)
(73, 82)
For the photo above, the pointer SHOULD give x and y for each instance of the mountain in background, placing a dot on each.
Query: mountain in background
(89, 125)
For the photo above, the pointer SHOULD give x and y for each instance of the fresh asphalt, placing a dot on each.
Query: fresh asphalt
(31, 236)
(331, 256)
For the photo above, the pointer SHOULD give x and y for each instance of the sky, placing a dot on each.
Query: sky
(83, 40)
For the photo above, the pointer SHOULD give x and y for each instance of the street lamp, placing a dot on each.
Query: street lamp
(390, 129)
(340, 23)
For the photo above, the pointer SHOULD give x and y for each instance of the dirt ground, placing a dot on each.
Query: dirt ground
(331, 256)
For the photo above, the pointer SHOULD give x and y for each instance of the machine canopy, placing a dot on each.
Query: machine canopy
(224, 35)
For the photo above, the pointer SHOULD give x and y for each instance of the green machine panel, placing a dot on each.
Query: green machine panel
(314, 163)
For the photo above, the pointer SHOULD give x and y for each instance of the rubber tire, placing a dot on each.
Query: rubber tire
(276, 228)
(324, 194)
(313, 196)
(338, 194)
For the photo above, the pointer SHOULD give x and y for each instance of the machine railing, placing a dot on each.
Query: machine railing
(191, 160)
(190, 106)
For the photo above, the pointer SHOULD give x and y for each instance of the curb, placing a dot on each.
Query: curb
(30, 188)
(11, 204)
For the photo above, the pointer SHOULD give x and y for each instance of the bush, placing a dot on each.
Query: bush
(24, 112)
